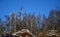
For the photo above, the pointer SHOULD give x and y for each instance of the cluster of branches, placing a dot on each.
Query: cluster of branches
(16, 22)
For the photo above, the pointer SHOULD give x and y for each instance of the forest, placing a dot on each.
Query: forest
(17, 21)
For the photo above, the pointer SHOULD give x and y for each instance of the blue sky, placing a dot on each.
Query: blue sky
(36, 6)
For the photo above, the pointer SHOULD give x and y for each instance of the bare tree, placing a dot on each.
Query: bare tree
(2, 28)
